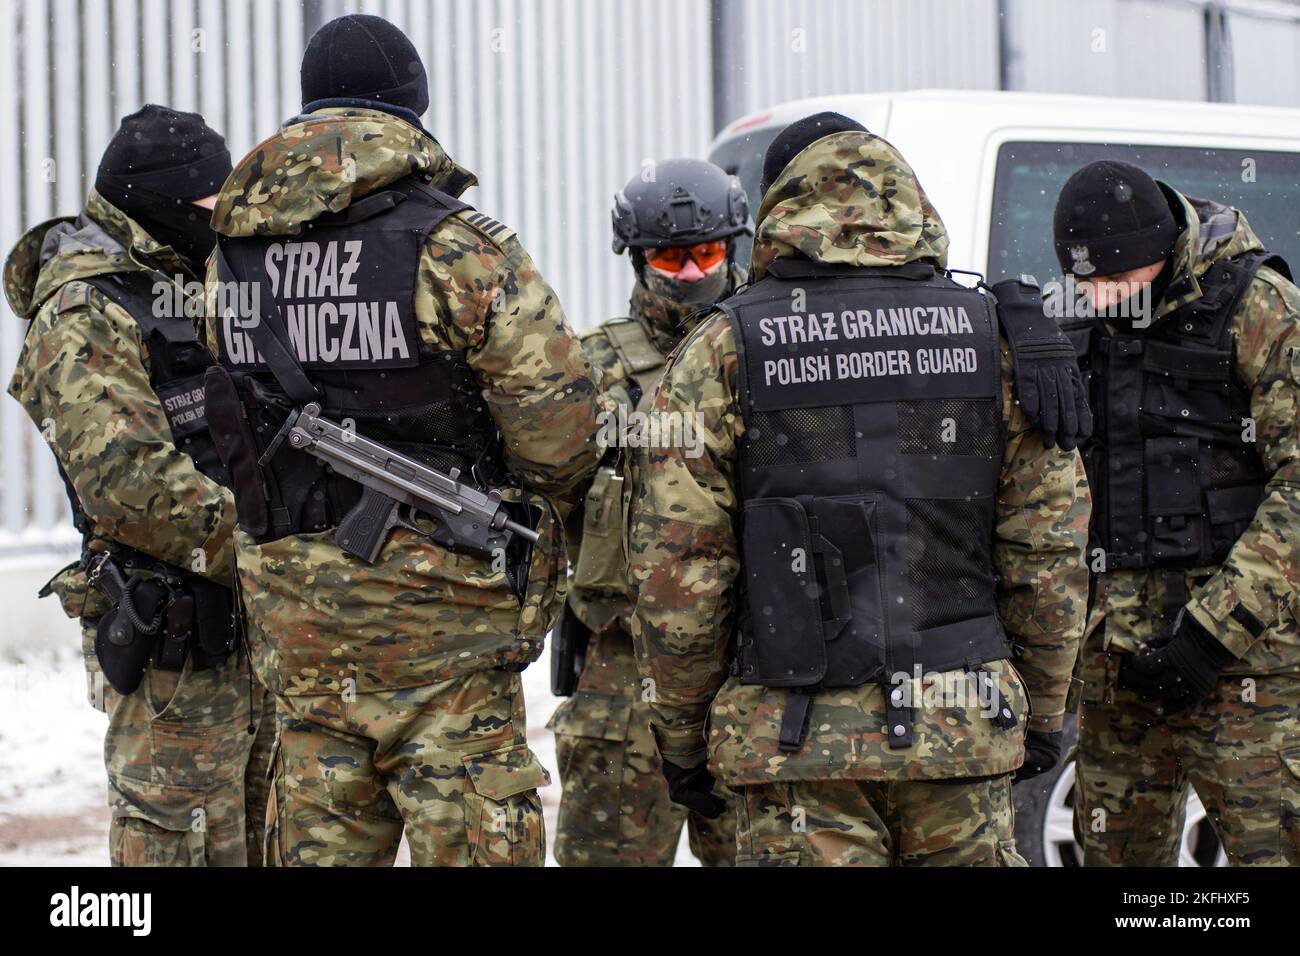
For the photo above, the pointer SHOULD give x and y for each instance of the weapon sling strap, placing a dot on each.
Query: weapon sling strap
(794, 722)
(286, 369)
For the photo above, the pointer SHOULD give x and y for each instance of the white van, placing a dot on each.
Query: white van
(992, 165)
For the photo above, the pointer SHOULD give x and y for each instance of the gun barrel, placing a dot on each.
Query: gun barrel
(523, 529)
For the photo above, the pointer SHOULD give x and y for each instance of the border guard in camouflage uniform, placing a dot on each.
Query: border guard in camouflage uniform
(111, 371)
(393, 310)
(1191, 667)
(678, 227)
(828, 595)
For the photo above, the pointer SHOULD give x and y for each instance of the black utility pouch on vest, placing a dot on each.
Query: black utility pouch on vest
(234, 441)
(783, 595)
(199, 624)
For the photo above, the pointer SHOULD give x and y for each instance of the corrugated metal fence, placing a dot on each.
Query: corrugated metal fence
(553, 103)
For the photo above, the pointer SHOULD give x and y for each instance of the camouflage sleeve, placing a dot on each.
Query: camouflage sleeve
(1261, 574)
(487, 297)
(1040, 540)
(606, 369)
(684, 552)
(111, 437)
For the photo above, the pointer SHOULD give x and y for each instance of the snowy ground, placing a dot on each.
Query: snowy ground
(52, 801)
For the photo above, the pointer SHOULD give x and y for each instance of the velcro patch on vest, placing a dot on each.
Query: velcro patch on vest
(346, 298)
(185, 406)
(868, 345)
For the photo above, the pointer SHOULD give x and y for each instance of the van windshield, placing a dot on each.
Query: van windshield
(742, 156)
(1265, 185)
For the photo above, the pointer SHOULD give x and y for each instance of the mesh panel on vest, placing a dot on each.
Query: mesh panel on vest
(948, 561)
(1229, 468)
(924, 426)
(801, 434)
(443, 444)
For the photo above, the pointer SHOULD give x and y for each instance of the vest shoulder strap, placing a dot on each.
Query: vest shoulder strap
(635, 349)
(1222, 287)
(134, 292)
(281, 361)
(437, 205)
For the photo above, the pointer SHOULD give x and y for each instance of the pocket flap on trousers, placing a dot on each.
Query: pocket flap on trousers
(590, 714)
(170, 808)
(503, 773)
(1291, 761)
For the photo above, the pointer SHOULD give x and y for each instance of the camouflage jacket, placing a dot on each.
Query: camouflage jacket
(323, 621)
(1262, 572)
(599, 592)
(83, 377)
(850, 199)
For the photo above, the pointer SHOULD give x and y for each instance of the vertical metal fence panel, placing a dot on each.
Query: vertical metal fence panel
(39, 168)
(126, 71)
(14, 480)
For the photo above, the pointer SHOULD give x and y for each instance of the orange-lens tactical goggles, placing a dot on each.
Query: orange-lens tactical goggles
(672, 259)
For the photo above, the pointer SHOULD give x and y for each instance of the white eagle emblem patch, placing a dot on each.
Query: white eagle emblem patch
(1082, 267)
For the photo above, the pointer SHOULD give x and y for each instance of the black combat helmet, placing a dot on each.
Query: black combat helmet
(679, 202)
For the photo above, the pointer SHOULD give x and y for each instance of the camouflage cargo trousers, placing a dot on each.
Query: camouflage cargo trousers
(446, 763)
(187, 782)
(614, 808)
(877, 823)
(1240, 749)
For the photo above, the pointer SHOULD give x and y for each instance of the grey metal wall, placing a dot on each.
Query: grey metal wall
(1266, 55)
(1147, 48)
(790, 49)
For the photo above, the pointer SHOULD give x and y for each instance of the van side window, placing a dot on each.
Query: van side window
(1264, 184)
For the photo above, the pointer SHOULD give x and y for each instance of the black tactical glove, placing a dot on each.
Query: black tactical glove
(1042, 753)
(1048, 383)
(1180, 667)
(692, 788)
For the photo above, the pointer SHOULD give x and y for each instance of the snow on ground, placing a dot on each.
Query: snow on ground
(52, 788)
(52, 803)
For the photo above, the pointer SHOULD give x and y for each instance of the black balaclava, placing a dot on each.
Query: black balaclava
(674, 292)
(797, 137)
(157, 163)
(1111, 217)
(363, 60)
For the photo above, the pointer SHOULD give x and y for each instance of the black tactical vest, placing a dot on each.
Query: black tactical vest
(1175, 474)
(345, 291)
(198, 621)
(869, 469)
(177, 363)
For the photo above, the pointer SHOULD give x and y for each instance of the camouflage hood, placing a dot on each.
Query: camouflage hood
(848, 199)
(322, 162)
(1210, 232)
(101, 240)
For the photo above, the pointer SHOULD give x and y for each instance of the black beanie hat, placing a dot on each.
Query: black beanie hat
(797, 137)
(1111, 217)
(162, 152)
(363, 57)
